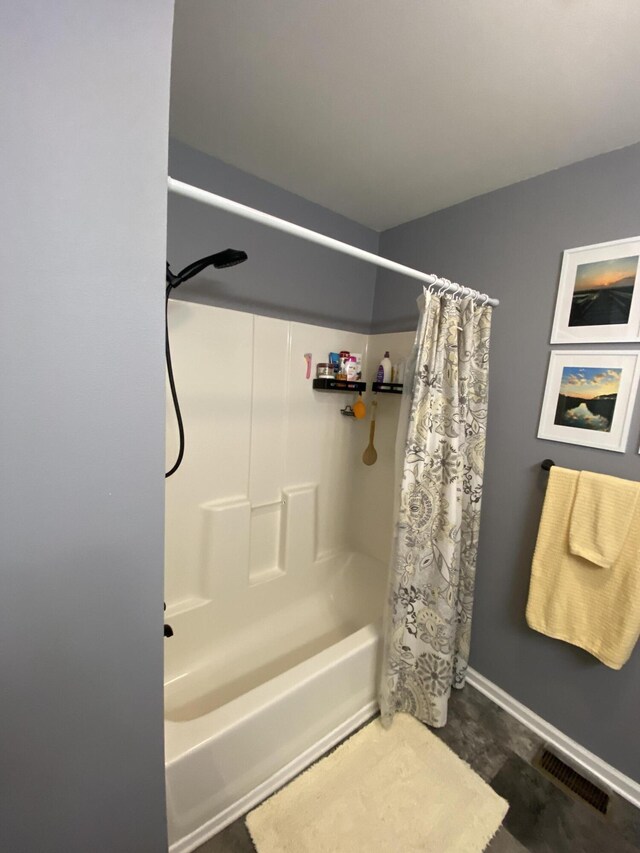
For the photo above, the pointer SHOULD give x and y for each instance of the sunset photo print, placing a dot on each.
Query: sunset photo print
(598, 299)
(603, 291)
(588, 397)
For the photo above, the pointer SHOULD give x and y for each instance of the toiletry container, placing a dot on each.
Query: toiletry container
(384, 371)
(342, 368)
(352, 368)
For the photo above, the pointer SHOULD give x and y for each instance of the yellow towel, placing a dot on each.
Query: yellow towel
(572, 599)
(601, 517)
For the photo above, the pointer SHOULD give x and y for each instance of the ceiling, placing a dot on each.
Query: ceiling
(385, 110)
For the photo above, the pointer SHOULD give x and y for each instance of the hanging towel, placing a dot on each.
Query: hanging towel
(575, 600)
(601, 517)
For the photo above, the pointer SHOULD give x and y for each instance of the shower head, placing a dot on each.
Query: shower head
(221, 260)
(228, 258)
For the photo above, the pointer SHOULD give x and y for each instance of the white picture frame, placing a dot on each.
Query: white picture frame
(577, 377)
(599, 283)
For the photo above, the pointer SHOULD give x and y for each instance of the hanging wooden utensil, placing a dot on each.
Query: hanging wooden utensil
(370, 455)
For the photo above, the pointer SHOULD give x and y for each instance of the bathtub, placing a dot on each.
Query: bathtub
(246, 711)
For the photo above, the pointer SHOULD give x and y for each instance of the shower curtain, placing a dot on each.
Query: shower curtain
(432, 573)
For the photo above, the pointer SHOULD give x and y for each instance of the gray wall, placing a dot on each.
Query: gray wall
(82, 217)
(509, 243)
(284, 276)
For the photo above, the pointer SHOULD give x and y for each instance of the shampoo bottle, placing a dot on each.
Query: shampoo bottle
(384, 371)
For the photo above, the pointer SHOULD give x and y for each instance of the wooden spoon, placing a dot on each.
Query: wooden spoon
(370, 455)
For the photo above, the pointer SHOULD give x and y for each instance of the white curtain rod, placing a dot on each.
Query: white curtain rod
(223, 203)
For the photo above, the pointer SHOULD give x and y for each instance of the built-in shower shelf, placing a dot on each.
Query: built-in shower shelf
(339, 385)
(184, 606)
(387, 387)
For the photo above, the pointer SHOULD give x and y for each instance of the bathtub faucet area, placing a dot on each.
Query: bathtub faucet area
(168, 630)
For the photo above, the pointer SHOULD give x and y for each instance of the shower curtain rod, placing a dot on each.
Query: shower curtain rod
(222, 203)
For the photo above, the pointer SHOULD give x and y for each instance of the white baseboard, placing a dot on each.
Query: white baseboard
(593, 766)
(286, 774)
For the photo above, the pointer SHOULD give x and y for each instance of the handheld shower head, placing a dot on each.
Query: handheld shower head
(221, 260)
(228, 258)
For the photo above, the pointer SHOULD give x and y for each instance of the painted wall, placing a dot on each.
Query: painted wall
(509, 243)
(285, 277)
(82, 215)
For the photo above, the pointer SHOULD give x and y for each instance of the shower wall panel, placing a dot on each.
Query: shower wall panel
(213, 366)
(375, 485)
(265, 489)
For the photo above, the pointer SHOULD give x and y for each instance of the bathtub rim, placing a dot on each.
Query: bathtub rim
(282, 777)
(183, 736)
(214, 724)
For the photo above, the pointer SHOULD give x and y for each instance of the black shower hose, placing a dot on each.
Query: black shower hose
(172, 385)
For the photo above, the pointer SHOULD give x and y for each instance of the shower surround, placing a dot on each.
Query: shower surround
(277, 544)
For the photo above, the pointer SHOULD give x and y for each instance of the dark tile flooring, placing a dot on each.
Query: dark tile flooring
(542, 818)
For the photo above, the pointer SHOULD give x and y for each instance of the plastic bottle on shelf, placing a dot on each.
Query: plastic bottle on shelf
(342, 367)
(384, 370)
(351, 369)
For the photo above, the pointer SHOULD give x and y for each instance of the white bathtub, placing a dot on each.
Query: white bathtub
(257, 708)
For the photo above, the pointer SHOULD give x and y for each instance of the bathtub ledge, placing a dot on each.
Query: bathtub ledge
(273, 783)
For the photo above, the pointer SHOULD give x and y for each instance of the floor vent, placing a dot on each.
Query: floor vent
(572, 781)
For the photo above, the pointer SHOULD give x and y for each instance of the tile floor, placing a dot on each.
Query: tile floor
(542, 818)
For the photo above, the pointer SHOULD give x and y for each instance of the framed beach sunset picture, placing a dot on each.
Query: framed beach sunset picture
(599, 294)
(589, 398)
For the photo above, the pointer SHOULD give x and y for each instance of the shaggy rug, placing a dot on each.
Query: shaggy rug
(382, 791)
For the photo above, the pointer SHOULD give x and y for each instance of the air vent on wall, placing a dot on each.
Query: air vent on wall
(572, 781)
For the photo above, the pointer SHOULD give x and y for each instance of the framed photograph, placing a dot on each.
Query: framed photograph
(589, 397)
(599, 294)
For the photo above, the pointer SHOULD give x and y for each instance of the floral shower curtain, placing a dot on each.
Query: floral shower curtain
(432, 574)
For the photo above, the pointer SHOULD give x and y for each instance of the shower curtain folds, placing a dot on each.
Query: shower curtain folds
(432, 572)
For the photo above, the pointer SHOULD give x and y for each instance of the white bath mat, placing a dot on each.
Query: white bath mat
(399, 790)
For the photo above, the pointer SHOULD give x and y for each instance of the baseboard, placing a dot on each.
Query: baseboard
(576, 755)
(273, 783)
